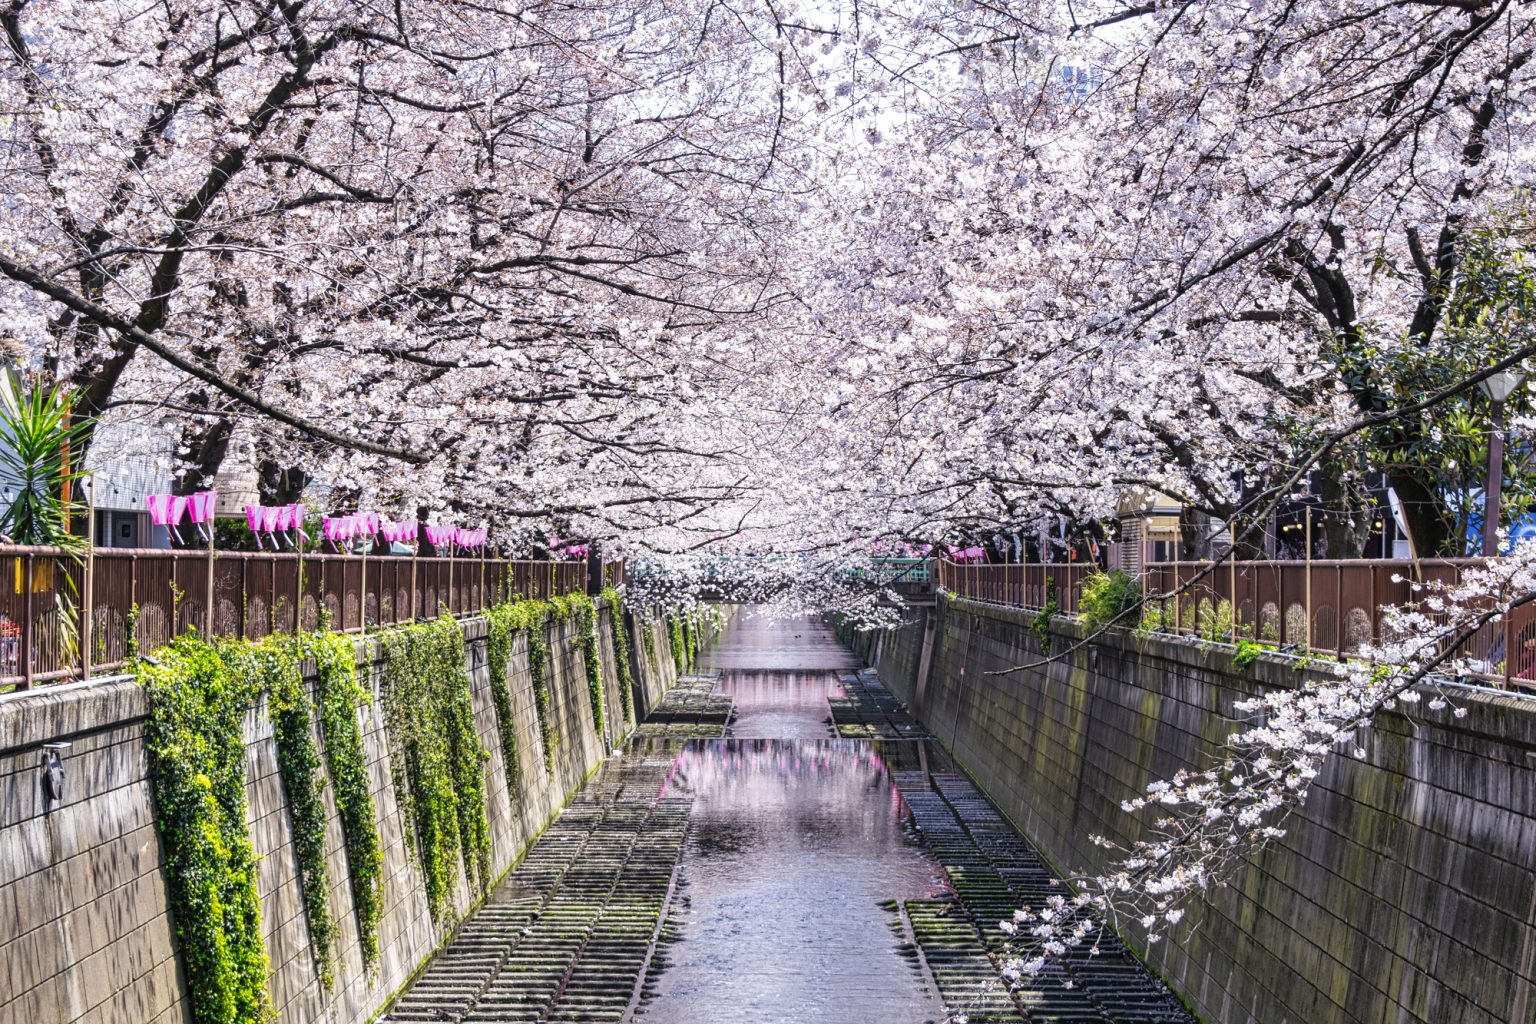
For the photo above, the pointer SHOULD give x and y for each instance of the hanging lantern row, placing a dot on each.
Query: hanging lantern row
(403, 532)
(167, 510)
(275, 519)
(339, 529)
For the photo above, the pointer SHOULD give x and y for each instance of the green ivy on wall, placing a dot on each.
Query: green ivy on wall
(273, 666)
(648, 639)
(693, 622)
(195, 740)
(679, 646)
(501, 623)
(437, 758)
(531, 618)
(620, 637)
(339, 695)
(584, 610)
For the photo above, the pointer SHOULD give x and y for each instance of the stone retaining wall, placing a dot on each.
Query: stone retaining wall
(1403, 891)
(85, 934)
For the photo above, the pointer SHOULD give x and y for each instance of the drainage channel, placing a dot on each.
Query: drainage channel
(778, 842)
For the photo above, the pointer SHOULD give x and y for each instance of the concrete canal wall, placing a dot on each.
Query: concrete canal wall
(85, 934)
(1403, 891)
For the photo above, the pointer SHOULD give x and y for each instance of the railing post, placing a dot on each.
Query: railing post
(362, 588)
(298, 586)
(415, 552)
(1232, 575)
(208, 611)
(1338, 610)
(1509, 647)
(27, 632)
(88, 583)
(1309, 578)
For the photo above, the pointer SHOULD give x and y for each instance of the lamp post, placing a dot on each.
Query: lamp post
(1498, 388)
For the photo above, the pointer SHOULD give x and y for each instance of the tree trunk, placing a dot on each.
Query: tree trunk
(1347, 525)
(279, 484)
(206, 443)
(1429, 521)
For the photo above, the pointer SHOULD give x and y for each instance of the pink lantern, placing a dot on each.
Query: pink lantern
(166, 510)
(200, 505)
(253, 521)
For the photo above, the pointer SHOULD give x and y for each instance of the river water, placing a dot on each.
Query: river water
(795, 840)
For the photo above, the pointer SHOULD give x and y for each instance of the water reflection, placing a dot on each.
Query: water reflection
(793, 844)
(756, 642)
(780, 705)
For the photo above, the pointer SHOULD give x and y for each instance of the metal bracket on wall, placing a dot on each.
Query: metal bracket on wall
(53, 773)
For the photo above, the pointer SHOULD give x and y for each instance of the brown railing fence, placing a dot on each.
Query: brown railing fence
(1321, 607)
(62, 617)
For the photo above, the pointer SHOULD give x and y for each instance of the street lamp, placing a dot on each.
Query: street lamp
(1498, 387)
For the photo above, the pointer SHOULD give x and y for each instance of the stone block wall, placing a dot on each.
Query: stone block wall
(85, 933)
(1404, 890)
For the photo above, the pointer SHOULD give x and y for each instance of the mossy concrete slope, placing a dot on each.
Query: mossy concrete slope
(85, 933)
(1403, 890)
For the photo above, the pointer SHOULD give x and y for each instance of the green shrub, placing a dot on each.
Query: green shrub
(1215, 621)
(1042, 622)
(1109, 599)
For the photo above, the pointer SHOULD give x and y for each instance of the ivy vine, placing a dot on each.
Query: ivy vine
(273, 666)
(339, 695)
(501, 624)
(620, 637)
(439, 762)
(647, 639)
(679, 647)
(584, 610)
(195, 739)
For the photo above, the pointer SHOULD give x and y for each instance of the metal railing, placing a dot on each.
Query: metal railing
(64, 617)
(1319, 607)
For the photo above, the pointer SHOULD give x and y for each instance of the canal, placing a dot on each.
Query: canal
(777, 844)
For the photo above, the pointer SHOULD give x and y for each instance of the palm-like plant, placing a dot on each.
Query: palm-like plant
(40, 444)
